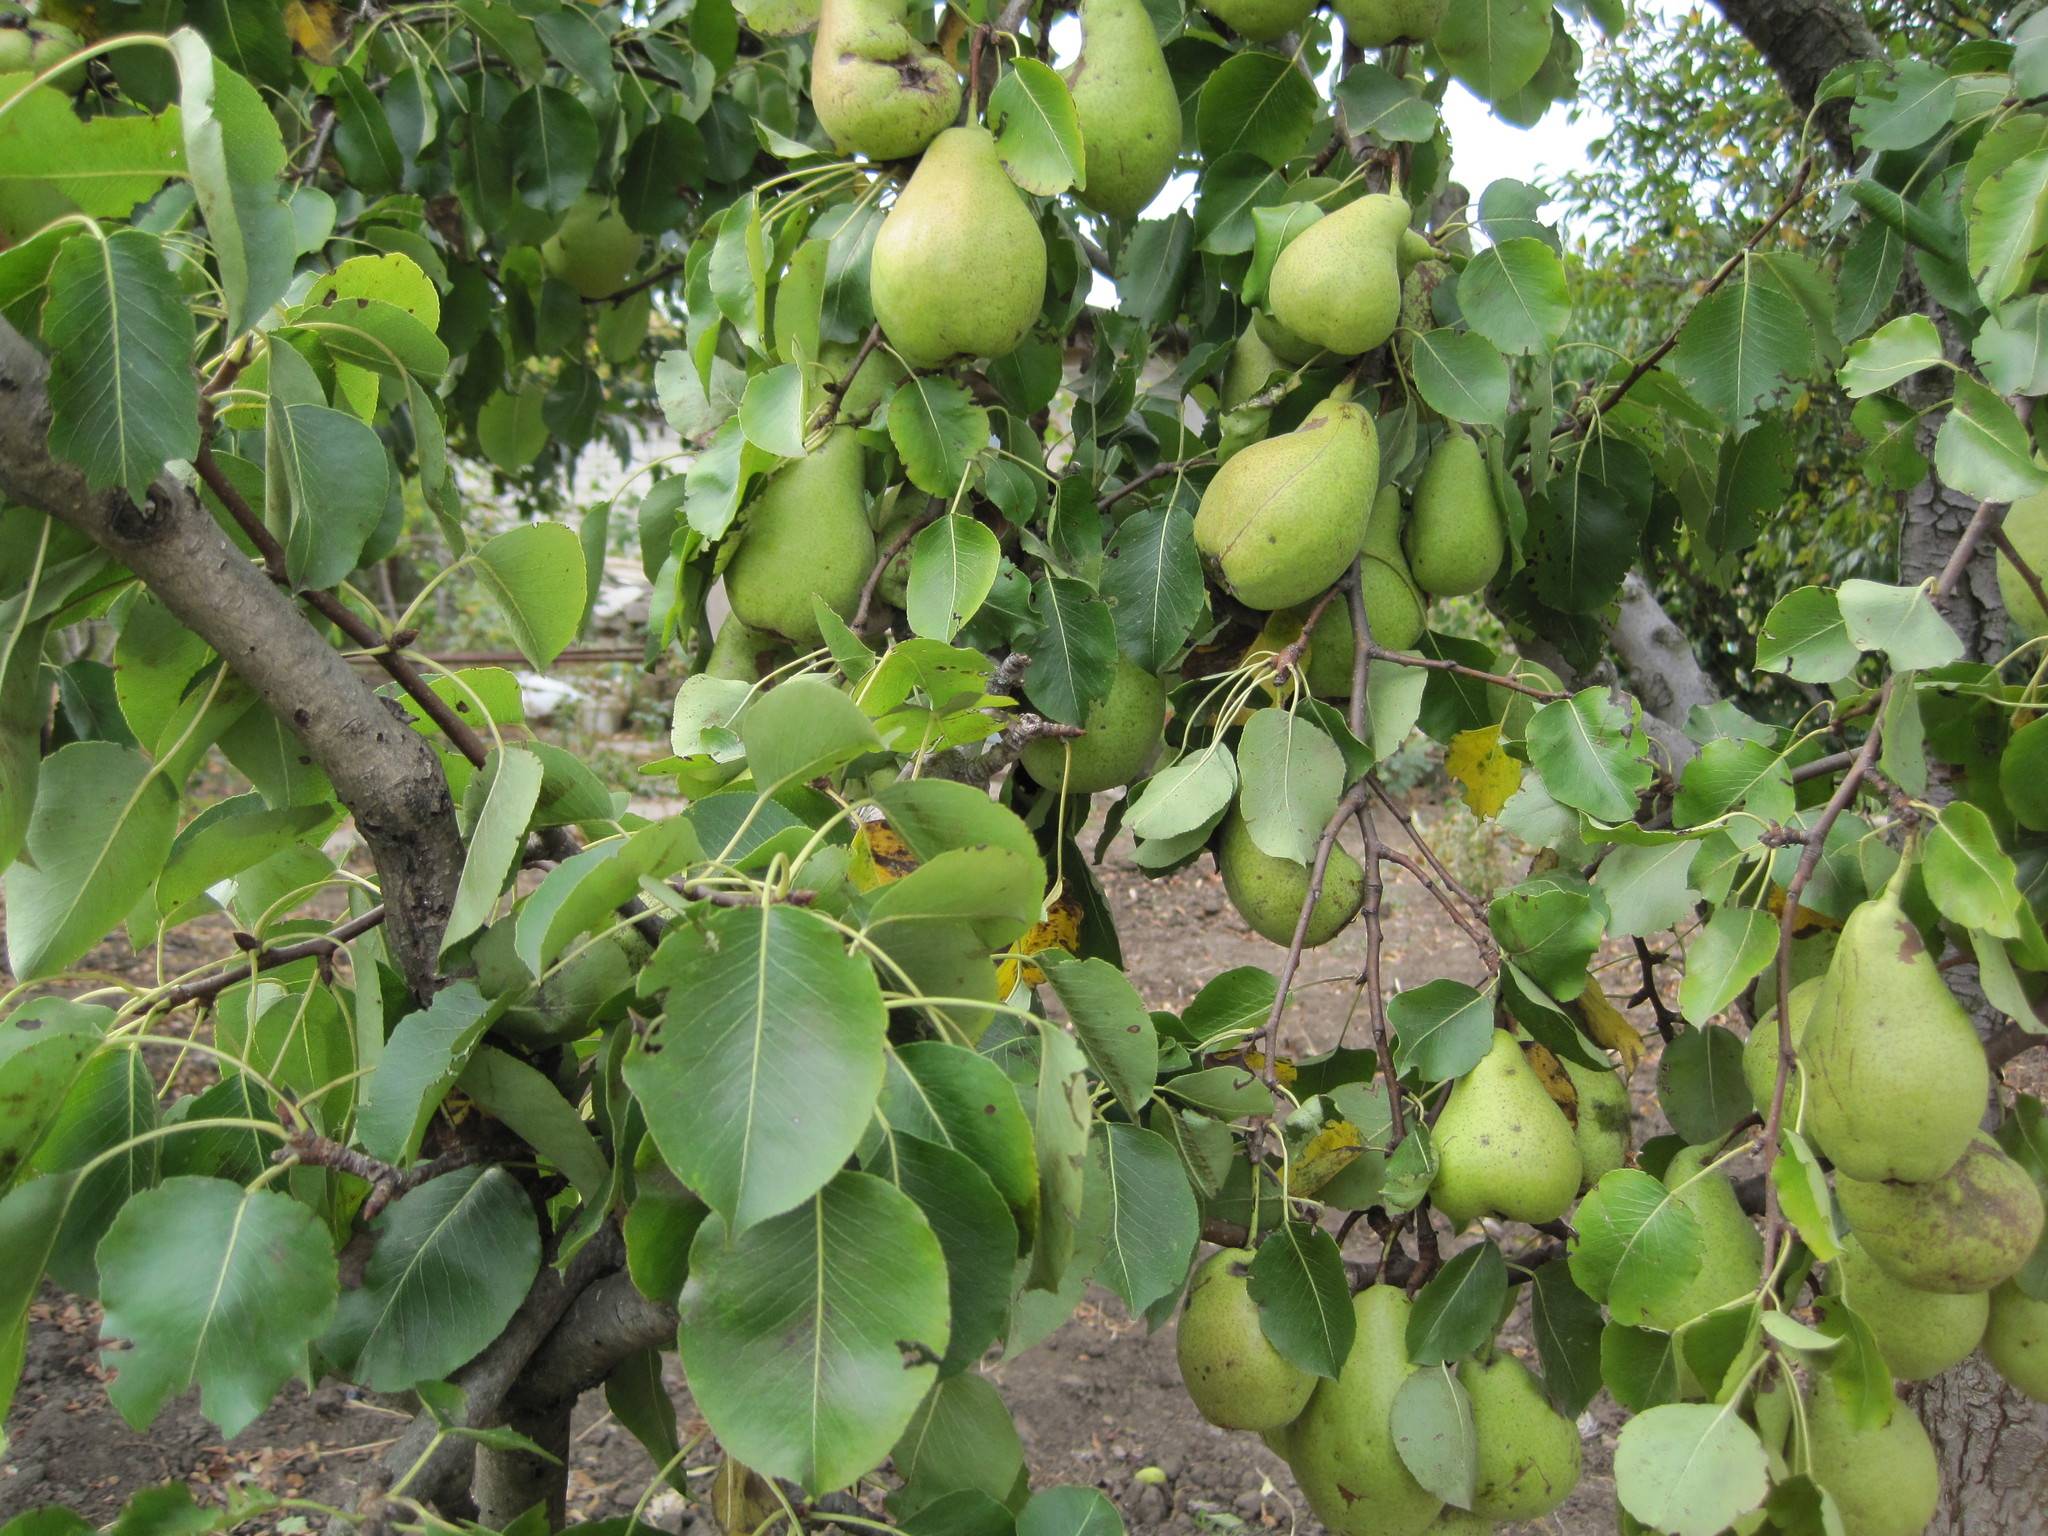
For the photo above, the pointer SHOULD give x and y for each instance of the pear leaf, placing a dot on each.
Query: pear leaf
(1458, 1310)
(1690, 1469)
(1038, 134)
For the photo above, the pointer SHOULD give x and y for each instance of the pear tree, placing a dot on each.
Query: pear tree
(1130, 428)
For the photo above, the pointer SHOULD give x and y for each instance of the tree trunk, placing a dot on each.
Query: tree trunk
(510, 1482)
(1992, 1450)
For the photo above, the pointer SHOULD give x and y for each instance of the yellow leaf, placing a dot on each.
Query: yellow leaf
(1608, 1028)
(1807, 919)
(1556, 1081)
(1485, 774)
(1255, 1061)
(878, 856)
(1327, 1153)
(315, 27)
(1060, 930)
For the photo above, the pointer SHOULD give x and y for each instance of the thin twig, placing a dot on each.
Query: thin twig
(387, 1182)
(1423, 845)
(836, 390)
(660, 274)
(896, 546)
(1649, 959)
(692, 891)
(2004, 545)
(1145, 477)
(1375, 652)
(1489, 952)
(268, 957)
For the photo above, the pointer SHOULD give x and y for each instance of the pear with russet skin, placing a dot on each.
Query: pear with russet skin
(1127, 107)
(1456, 539)
(1337, 285)
(1528, 1452)
(1259, 21)
(1122, 730)
(1268, 891)
(1237, 1379)
(1919, 1333)
(878, 91)
(1968, 1230)
(808, 534)
(1503, 1145)
(958, 268)
(1884, 1481)
(2016, 1342)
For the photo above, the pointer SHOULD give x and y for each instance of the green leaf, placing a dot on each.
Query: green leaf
(1735, 946)
(1730, 772)
(1857, 1372)
(1060, 1121)
(512, 428)
(44, 1045)
(961, 1437)
(1152, 581)
(527, 1102)
(363, 140)
(1549, 928)
(1903, 106)
(215, 1286)
(1069, 1511)
(1374, 101)
(554, 144)
(1902, 622)
(1972, 881)
(1460, 1307)
(1514, 294)
(228, 838)
(102, 827)
(508, 786)
(1229, 188)
(1699, 1079)
(235, 156)
(1461, 375)
(1565, 1323)
(425, 1054)
(953, 566)
(31, 1216)
(2008, 227)
(1112, 1024)
(801, 729)
(1635, 1245)
(1136, 1177)
(453, 1261)
(1982, 450)
(1691, 1469)
(1647, 887)
(580, 892)
(1592, 752)
(772, 411)
(1073, 653)
(730, 1083)
(1256, 104)
(1186, 795)
(535, 574)
(1442, 1029)
(105, 1120)
(975, 1231)
(1290, 776)
(52, 161)
(1431, 1422)
(938, 430)
(1806, 638)
(1038, 134)
(1803, 1195)
(1739, 348)
(1495, 46)
(1298, 1281)
(122, 396)
(948, 1095)
(1896, 350)
(809, 1339)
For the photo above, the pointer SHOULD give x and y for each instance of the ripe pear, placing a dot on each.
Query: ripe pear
(1268, 891)
(1253, 365)
(1528, 1451)
(1259, 21)
(1731, 1252)
(1237, 1379)
(1505, 1148)
(1605, 1126)
(1283, 343)
(958, 267)
(1342, 1446)
(1123, 728)
(878, 91)
(744, 654)
(1884, 1481)
(1760, 1050)
(1338, 283)
(594, 250)
(1457, 1522)
(1383, 23)
(2026, 525)
(1965, 1231)
(1284, 518)
(1895, 1076)
(1127, 106)
(2016, 1342)
(1456, 540)
(1395, 607)
(1919, 1333)
(807, 534)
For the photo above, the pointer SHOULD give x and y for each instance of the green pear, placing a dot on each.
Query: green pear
(1342, 1446)
(1384, 23)
(1394, 606)
(1965, 1231)
(1237, 1379)
(958, 268)
(1528, 1451)
(2026, 525)
(50, 43)
(1456, 540)
(1253, 365)
(1283, 343)
(744, 654)
(1268, 891)
(16, 50)
(1760, 1051)
(1457, 1522)
(1884, 1481)
(2016, 1342)
(594, 250)
(1919, 1333)
(1895, 1075)
(1123, 729)
(808, 534)
(1127, 106)
(1284, 518)
(1604, 1130)
(1731, 1252)
(878, 91)
(1338, 283)
(876, 381)
(1504, 1147)
(1259, 21)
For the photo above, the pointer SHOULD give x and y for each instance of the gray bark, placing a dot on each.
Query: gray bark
(1660, 665)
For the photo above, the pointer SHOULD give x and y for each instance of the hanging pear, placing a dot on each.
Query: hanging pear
(1895, 1075)
(1919, 1333)
(1456, 540)
(1604, 1128)
(1968, 1230)
(1730, 1249)
(958, 268)
(2016, 1342)
(595, 250)
(1385, 23)
(1259, 21)
(1291, 349)
(1122, 732)
(1282, 520)
(1337, 285)
(744, 654)
(1237, 1379)
(808, 534)
(1394, 605)
(2026, 525)
(1252, 367)
(1885, 1480)
(1128, 109)
(1528, 1452)
(878, 91)
(1504, 1147)
(1760, 1050)
(1268, 891)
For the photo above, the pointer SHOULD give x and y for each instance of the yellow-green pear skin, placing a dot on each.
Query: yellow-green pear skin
(1731, 1251)
(1123, 729)
(742, 653)
(1528, 1451)
(1504, 1147)
(1128, 109)
(1396, 609)
(1383, 23)
(1259, 21)
(1760, 1050)
(876, 381)
(958, 268)
(1342, 1446)
(595, 250)
(1283, 343)
(807, 534)
(878, 91)
(1456, 540)
(2026, 525)
(1457, 1522)
(1968, 1230)
(1884, 1481)
(1605, 1128)
(1895, 1075)
(1919, 1333)
(1253, 365)
(1268, 891)
(1284, 518)
(2016, 1342)
(1237, 1379)
(1338, 283)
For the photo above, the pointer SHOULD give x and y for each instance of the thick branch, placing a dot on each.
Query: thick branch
(608, 1323)
(1661, 666)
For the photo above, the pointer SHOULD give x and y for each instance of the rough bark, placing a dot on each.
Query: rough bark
(1992, 1450)
(508, 1483)
(1803, 40)
(609, 1323)
(1660, 665)
(382, 770)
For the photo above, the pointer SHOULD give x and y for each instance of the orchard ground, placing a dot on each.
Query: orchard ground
(1097, 1404)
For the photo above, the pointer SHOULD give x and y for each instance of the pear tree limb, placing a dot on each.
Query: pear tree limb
(895, 547)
